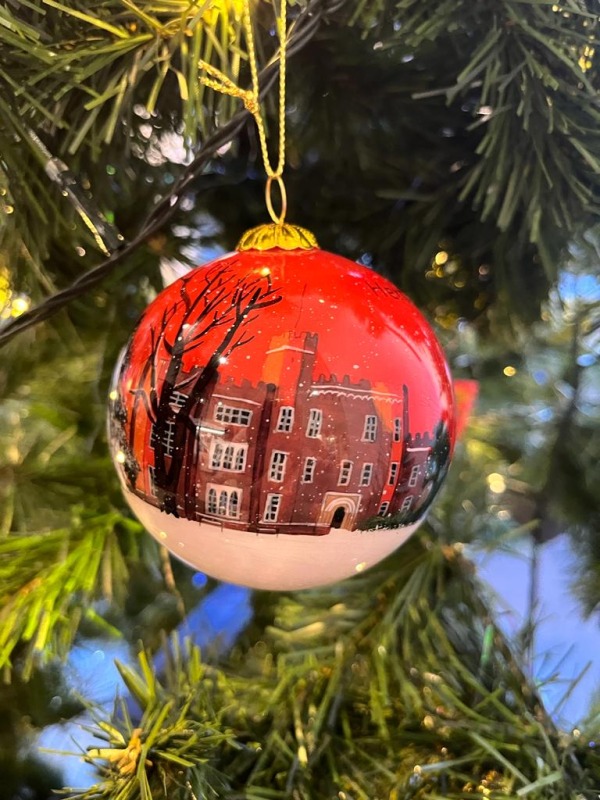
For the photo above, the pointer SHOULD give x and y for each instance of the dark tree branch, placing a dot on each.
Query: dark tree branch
(168, 315)
(185, 297)
(240, 343)
(186, 382)
(152, 362)
(146, 403)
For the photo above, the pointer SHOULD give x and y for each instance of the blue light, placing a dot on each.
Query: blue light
(586, 360)
(584, 287)
(199, 580)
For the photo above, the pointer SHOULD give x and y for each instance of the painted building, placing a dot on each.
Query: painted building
(294, 453)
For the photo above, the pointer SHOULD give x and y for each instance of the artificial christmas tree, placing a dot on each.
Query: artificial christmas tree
(454, 146)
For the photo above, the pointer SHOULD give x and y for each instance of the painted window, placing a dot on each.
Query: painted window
(383, 509)
(345, 472)
(240, 459)
(235, 416)
(366, 474)
(315, 420)
(169, 439)
(211, 501)
(223, 501)
(272, 507)
(397, 429)
(234, 504)
(230, 457)
(285, 423)
(217, 456)
(179, 399)
(393, 473)
(407, 503)
(370, 430)
(308, 473)
(277, 466)
(414, 476)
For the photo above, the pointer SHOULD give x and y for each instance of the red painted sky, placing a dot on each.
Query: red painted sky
(367, 329)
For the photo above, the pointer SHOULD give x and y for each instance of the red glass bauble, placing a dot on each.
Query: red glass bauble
(281, 418)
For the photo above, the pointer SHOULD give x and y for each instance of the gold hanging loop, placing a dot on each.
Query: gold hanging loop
(280, 234)
(278, 220)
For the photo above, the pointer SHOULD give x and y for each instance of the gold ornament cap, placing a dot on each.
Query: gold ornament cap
(280, 234)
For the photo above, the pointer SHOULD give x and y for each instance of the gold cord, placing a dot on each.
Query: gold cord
(281, 25)
(219, 82)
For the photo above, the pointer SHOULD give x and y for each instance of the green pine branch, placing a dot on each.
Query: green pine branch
(386, 687)
(532, 79)
(49, 579)
(519, 177)
(75, 75)
(64, 543)
(91, 64)
(176, 748)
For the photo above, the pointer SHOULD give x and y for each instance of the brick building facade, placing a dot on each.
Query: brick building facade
(295, 454)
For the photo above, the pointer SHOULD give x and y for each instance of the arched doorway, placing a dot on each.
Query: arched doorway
(339, 510)
(338, 517)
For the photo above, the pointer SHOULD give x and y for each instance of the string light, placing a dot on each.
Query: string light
(496, 483)
(585, 60)
(11, 304)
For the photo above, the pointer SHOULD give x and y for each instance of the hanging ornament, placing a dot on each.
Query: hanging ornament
(281, 417)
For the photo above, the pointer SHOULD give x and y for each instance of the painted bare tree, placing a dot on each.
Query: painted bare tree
(120, 440)
(224, 301)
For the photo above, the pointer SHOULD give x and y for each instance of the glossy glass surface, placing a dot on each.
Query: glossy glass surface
(293, 393)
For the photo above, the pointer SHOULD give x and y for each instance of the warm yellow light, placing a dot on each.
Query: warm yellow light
(509, 371)
(120, 457)
(265, 271)
(19, 306)
(441, 257)
(360, 567)
(113, 395)
(496, 483)
(302, 754)
(12, 454)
